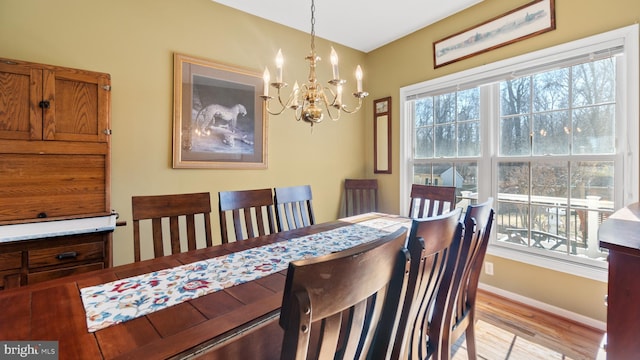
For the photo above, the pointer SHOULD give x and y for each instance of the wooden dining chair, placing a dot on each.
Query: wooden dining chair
(294, 207)
(171, 208)
(431, 242)
(430, 200)
(345, 305)
(460, 313)
(361, 196)
(250, 213)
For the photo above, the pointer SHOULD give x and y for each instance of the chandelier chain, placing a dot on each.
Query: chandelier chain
(313, 26)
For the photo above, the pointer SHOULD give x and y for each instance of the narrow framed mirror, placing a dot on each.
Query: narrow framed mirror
(382, 136)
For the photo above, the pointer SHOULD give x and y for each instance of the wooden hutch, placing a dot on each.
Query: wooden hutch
(55, 211)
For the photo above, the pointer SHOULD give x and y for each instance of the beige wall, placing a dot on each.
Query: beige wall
(134, 41)
(410, 60)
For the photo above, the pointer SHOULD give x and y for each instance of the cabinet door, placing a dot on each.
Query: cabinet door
(20, 96)
(79, 105)
(10, 264)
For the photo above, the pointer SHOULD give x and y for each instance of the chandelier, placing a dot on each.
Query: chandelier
(307, 100)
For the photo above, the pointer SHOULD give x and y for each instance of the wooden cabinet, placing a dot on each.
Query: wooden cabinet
(44, 102)
(54, 163)
(620, 234)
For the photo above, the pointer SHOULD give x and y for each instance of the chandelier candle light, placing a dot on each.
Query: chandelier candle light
(306, 100)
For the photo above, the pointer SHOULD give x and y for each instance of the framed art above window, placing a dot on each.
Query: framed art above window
(219, 121)
(518, 24)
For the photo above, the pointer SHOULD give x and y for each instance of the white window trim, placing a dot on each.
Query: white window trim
(628, 95)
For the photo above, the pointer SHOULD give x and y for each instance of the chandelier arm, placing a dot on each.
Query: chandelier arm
(266, 104)
(283, 104)
(267, 101)
(356, 109)
(333, 103)
(331, 115)
(328, 105)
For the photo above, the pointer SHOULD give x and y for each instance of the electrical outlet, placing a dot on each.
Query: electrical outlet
(488, 268)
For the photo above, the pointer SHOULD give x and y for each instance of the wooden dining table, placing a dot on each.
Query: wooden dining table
(235, 323)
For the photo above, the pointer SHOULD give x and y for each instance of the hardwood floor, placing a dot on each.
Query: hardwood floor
(511, 330)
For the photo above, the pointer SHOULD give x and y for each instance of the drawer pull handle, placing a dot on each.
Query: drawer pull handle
(67, 255)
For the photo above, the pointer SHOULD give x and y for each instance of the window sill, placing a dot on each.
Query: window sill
(596, 272)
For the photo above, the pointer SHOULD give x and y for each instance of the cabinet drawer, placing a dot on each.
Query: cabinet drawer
(40, 276)
(11, 260)
(66, 255)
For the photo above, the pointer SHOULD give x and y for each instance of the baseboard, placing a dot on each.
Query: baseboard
(546, 307)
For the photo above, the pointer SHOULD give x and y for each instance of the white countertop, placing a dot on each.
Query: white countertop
(43, 229)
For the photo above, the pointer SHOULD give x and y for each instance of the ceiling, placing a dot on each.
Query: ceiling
(364, 25)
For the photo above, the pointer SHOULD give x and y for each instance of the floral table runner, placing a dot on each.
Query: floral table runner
(122, 300)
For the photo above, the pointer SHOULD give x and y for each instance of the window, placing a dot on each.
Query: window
(552, 136)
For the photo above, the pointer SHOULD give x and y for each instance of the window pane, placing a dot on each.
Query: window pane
(594, 130)
(469, 104)
(424, 143)
(515, 96)
(594, 82)
(445, 108)
(551, 90)
(469, 138)
(446, 175)
(514, 136)
(592, 179)
(468, 172)
(423, 109)
(422, 174)
(442, 174)
(445, 140)
(513, 179)
(551, 133)
(512, 220)
(550, 182)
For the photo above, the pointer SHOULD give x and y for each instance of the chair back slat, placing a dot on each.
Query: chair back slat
(431, 200)
(361, 196)
(251, 213)
(172, 208)
(174, 232)
(294, 207)
(431, 242)
(191, 231)
(345, 305)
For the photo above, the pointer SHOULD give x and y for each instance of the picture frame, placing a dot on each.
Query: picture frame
(382, 136)
(219, 121)
(518, 24)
